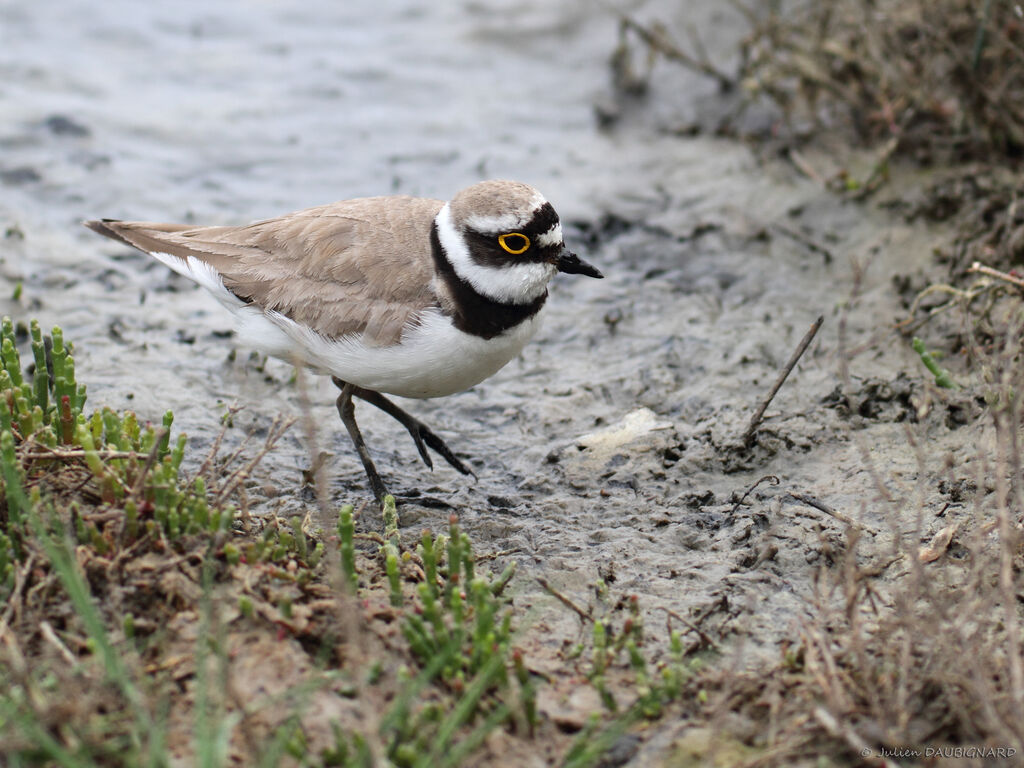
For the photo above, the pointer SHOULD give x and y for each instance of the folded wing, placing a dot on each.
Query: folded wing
(358, 267)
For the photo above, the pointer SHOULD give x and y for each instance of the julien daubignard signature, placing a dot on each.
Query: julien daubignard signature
(944, 751)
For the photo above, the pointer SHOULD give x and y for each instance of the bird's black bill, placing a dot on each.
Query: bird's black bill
(572, 264)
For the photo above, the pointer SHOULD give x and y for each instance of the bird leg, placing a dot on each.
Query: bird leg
(347, 411)
(422, 435)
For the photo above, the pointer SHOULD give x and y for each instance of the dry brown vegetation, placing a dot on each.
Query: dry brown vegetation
(939, 83)
(943, 79)
(912, 653)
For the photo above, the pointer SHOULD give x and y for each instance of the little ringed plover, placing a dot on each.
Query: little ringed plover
(399, 295)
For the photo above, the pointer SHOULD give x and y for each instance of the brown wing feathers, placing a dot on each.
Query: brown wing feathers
(355, 267)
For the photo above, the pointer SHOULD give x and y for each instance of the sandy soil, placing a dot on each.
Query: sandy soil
(609, 449)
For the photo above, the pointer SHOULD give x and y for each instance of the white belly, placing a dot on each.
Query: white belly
(433, 359)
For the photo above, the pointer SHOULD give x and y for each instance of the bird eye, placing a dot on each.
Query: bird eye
(514, 242)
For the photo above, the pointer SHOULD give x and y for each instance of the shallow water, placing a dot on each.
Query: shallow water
(248, 110)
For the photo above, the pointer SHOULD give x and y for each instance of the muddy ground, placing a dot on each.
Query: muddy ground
(610, 448)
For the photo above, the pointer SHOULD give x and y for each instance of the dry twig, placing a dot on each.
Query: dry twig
(585, 615)
(277, 430)
(979, 268)
(821, 506)
(656, 38)
(51, 637)
(226, 420)
(755, 420)
(772, 479)
(14, 600)
(140, 481)
(704, 637)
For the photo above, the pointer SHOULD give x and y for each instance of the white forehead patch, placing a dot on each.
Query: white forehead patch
(552, 237)
(508, 283)
(508, 221)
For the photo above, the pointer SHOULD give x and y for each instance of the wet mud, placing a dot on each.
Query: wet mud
(612, 447)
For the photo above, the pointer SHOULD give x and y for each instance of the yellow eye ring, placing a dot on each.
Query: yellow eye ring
(523, 242)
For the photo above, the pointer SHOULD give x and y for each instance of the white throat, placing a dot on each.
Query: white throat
(509, 284)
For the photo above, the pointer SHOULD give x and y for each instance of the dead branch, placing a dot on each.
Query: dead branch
(774, 480)
(755, 421)
(657, 39)
(979, 268)
(277, 430)
(821, 506)
(584, 615)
